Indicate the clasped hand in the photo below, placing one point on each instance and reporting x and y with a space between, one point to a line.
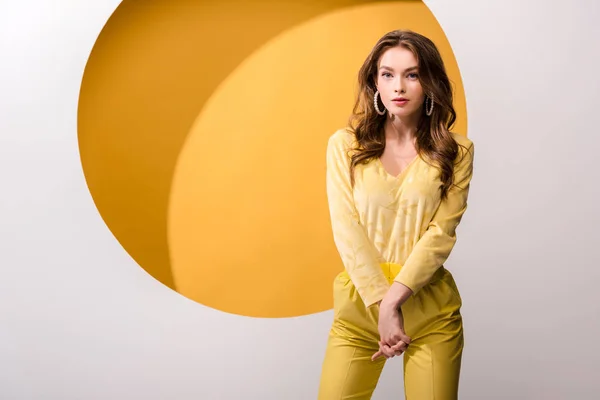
393 340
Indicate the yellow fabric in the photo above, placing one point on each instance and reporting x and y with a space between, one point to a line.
432 361
391 219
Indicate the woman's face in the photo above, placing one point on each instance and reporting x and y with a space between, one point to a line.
398 82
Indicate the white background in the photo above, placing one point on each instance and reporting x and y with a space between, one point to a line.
80 320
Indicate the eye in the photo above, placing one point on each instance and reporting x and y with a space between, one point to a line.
413 75
386 74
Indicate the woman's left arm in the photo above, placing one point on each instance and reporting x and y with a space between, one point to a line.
434 247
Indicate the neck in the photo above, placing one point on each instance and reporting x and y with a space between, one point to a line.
400 129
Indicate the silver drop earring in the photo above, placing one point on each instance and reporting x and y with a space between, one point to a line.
376 105
428 105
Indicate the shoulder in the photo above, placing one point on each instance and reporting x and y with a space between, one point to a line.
342 136
462 140
464 159
465 147
341 140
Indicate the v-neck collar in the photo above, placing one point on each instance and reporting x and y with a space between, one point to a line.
402 173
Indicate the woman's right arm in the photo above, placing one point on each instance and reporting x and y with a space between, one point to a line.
358 254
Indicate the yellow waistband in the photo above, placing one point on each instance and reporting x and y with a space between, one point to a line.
391 270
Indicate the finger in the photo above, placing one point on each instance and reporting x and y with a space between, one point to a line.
396 338
400 346
377 355
392 339
406 339
387 350
399 336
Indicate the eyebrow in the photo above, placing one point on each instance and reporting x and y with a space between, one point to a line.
391 69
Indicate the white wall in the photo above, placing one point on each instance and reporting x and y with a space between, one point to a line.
80 320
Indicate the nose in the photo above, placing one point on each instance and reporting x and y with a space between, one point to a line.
399 85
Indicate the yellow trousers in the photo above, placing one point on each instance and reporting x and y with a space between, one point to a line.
432 361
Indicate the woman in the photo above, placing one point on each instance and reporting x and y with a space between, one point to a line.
397 186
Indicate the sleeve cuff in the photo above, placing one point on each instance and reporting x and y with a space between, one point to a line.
375 295
409 281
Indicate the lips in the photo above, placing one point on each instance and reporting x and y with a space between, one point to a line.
399 99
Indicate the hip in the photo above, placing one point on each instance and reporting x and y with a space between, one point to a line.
434 308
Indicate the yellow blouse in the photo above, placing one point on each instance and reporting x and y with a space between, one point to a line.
398 220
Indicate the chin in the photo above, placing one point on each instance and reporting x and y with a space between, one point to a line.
404 113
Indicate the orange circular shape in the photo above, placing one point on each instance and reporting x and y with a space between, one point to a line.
208 163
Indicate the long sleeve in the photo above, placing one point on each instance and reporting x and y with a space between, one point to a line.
359 256
434 247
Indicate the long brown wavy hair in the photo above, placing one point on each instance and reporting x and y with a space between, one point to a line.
434 142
